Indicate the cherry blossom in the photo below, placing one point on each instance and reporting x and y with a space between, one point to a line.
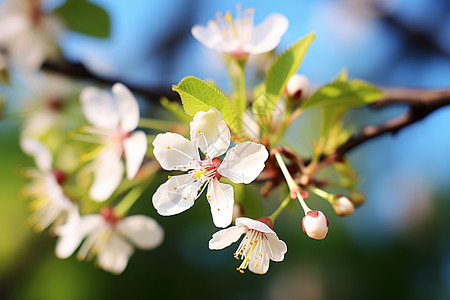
240 37
28 33
209 132
114 120
49 203
257 248
108 237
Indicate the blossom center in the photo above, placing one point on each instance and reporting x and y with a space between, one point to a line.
60 176
109 215
250 249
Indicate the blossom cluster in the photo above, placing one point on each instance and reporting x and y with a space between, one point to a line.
95 155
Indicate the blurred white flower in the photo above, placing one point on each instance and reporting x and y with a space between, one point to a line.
259 246
210 133
343 206
239 37
114 120
108 237
315 225
44 98
28 33
297 87
49 203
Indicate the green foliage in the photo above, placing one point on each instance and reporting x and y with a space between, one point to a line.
176 110
283 67
85 17
352 93
198 95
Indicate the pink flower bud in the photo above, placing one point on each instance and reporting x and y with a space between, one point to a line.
315 225
343 206
297 86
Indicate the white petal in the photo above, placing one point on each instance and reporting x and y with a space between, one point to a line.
225 237
56 193
210 133
70 235
315 225
135 148
244 162
266 36
278 247
108 175
176 195
114 256
29 50
143 231
128 107
99 108
253 224
221 199
12 25
212 37
296 83
39 151
173 150
260 264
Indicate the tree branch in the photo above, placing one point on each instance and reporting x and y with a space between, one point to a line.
421 103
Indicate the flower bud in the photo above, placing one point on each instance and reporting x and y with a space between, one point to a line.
357 198
343 206
296 87
315 225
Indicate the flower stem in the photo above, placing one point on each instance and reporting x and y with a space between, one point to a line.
241 101
293 187
154 124
323 194
127 202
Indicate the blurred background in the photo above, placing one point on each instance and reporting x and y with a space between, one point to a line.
395 246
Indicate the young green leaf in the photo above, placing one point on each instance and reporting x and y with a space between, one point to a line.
283 67
198 95
352 93
85 17
175 109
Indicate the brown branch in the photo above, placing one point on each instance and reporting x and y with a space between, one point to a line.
80 72
421 103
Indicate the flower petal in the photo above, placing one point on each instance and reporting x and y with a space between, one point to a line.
210 133
277 247
267 35
135 148
128 107
143 231
69 235
244 162
251 126
114 256
12 25
56 193
253 224
176 195
39 151
221 199
259 264
225 237
173 151
108 175
212 37
99 108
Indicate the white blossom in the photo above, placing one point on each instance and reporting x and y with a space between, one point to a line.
49 203
114 121
108 237
209 132
257 248
28 33
239 37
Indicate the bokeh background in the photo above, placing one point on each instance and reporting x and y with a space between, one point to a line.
395 246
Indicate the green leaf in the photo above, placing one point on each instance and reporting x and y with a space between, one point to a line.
85 17
283 67
198 95
352 93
